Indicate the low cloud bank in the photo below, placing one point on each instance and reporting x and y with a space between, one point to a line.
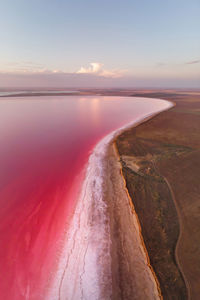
29 74
85 80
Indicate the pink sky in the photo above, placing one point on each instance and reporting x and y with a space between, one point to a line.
87 80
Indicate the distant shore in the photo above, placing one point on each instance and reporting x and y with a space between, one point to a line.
168 94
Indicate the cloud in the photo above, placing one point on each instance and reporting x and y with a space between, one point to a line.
28 67
96 68
24 69
164 64
197 61
77 81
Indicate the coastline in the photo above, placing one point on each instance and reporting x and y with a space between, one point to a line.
168 146
97 261
132 274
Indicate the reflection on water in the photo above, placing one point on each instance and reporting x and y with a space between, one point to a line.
45 144
95 110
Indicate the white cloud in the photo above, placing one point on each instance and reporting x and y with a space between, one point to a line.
28 67
96 68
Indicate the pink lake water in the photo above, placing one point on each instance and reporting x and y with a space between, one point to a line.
45 146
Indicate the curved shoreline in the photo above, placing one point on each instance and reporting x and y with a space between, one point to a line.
89 258
157 294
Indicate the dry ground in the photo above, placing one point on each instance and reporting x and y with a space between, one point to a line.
161 164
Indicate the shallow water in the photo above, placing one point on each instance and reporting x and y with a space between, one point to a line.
45 146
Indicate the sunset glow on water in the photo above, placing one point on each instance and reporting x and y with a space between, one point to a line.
45 146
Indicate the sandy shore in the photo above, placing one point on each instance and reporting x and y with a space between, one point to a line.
132 276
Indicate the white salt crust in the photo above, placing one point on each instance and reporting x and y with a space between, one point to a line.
85 264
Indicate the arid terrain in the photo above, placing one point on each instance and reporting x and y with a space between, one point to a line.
161 163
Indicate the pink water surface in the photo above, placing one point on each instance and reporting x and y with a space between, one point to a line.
45 143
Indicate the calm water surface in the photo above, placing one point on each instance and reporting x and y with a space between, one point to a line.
45 143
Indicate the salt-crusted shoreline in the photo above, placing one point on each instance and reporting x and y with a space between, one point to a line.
104 255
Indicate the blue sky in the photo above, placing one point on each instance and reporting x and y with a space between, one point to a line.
143 39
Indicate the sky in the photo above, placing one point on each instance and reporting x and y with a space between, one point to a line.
100 43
